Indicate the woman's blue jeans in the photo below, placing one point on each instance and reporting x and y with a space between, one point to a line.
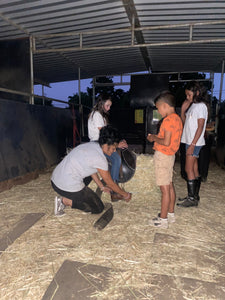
115 161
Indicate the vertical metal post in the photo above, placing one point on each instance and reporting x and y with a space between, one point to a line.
212 87
81 40
191 33
80 106
43 99
79 86
132 29
220 96
31 72
221 82
93 91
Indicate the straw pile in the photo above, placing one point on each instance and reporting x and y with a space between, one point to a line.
128 245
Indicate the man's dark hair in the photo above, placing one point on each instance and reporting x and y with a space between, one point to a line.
166 97
108 135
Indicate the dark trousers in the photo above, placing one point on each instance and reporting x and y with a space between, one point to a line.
85 200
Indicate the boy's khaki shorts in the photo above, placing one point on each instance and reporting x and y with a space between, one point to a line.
163 168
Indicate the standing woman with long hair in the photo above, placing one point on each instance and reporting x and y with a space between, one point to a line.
98 118
194 114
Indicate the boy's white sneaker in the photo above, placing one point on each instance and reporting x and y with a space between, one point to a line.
59 207
159 223
170 216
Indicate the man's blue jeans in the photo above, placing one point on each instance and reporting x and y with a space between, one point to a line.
115 160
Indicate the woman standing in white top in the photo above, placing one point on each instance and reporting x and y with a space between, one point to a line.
194 114
98 118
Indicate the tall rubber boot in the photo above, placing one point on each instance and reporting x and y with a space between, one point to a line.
198 181
198 184
190 201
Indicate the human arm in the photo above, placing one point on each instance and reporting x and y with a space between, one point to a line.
112 185
184 108
210 127
97 180
122 144
198 133
165 141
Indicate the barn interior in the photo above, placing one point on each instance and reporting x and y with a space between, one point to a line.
43 42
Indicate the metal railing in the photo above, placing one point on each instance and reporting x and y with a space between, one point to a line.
130 29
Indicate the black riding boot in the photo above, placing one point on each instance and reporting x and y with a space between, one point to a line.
190 201
198 181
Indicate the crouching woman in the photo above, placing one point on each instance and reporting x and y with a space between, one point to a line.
86 160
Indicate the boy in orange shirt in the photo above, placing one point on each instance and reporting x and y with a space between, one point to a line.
166 145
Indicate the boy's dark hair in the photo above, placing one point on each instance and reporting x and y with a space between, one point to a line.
108 135
166 97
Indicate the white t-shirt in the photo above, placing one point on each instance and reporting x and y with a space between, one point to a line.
195 112
81 162
95 121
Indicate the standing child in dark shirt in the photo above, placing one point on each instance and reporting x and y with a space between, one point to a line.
166 144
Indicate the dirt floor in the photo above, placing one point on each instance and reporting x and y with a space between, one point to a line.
185 261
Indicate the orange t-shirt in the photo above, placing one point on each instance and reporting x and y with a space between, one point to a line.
173 124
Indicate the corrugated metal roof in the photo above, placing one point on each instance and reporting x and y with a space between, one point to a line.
105 24
190 57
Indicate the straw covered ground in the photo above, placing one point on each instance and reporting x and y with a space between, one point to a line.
191 248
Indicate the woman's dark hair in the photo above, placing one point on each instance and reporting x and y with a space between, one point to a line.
108 135
99 106
199 92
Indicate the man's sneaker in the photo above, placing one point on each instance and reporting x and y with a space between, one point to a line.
59 207
159 223
170 217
